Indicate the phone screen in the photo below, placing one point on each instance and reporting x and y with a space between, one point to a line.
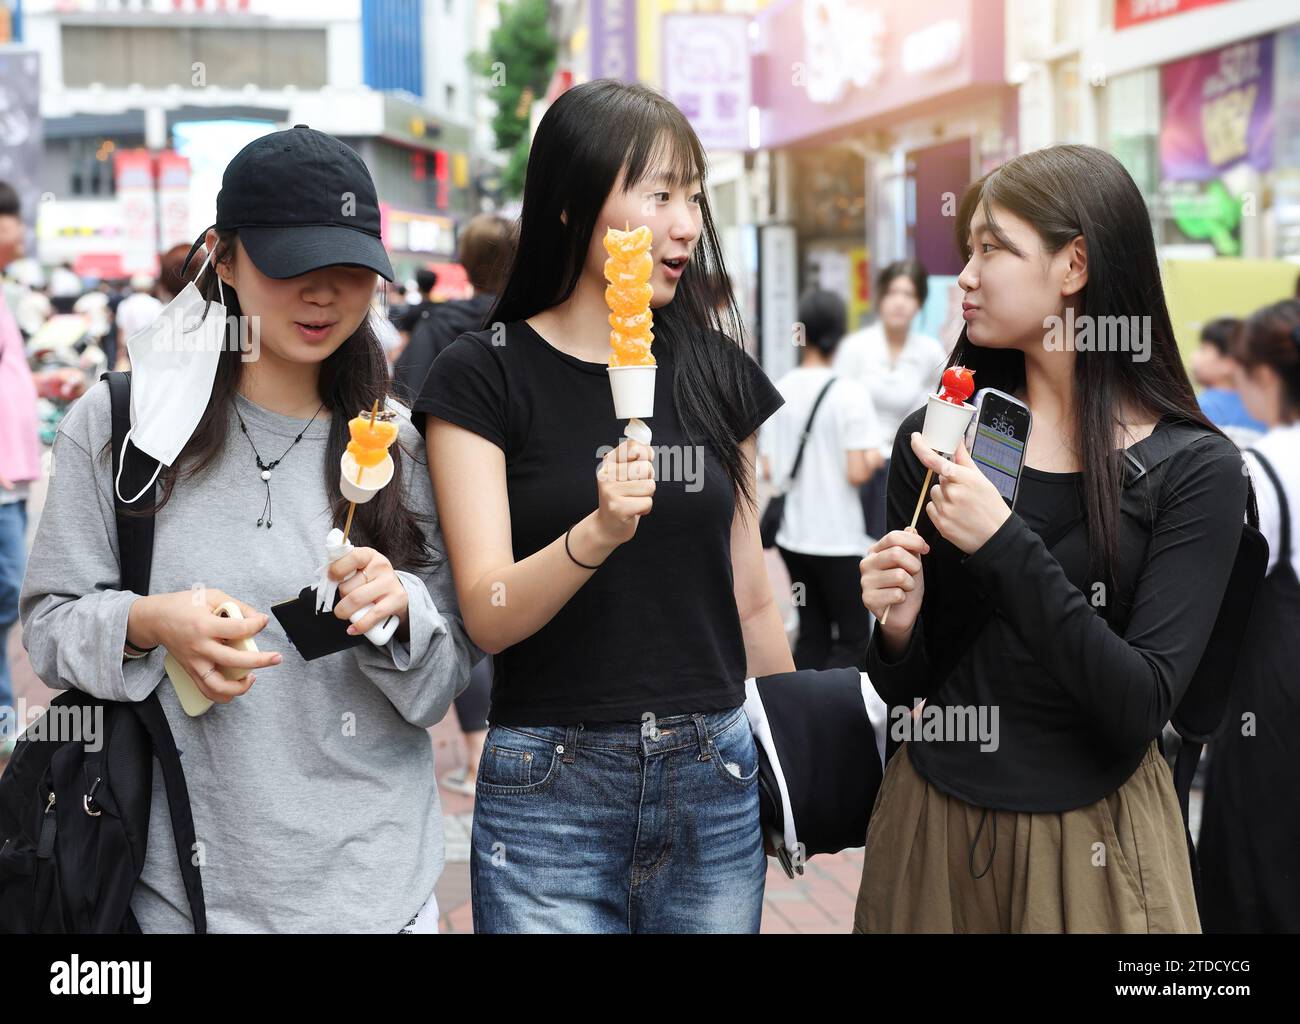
999 445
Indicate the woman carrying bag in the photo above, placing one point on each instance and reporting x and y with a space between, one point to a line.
1071 628
1249 847
311 782
822 442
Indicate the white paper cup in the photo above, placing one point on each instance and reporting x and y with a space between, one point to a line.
373 480
945 424
634 391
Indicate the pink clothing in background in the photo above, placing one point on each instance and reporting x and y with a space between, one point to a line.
20 446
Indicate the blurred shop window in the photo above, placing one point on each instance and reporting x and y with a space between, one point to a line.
1065 88
90 166
1132 113
1067 22
118 56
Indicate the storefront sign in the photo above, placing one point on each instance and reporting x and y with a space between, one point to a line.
1138 12
706 73
134 180
613 39
824 65
173 200
408 231
778 267
1218 112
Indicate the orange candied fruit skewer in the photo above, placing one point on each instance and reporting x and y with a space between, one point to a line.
371 441
628 271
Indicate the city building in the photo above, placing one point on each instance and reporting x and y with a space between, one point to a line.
144 103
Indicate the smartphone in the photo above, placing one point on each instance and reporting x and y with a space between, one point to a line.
996 440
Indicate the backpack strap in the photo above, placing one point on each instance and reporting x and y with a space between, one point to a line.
807 431
151 716
135 555
134 532
1284 551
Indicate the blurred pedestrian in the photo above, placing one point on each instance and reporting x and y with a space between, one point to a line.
486 249
382 316
137 311
1216 372
171 273
897 365
1249 846
425 281
822 537
20 459
65 287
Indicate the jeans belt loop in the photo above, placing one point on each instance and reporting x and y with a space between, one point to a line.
570 743
703 734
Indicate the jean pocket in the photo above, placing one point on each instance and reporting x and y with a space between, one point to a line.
735 754
515 762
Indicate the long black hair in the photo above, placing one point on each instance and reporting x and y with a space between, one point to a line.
1065 192
588 135
352 378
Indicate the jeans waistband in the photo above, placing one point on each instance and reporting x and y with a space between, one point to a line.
653 734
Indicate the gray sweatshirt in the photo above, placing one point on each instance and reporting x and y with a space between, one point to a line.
314 798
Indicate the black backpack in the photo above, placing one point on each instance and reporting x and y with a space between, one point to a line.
74 822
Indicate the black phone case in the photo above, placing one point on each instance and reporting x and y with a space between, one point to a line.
313 634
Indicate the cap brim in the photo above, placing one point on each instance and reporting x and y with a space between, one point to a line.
288 251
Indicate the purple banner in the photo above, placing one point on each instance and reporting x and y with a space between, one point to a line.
613 39
706 73
1218 112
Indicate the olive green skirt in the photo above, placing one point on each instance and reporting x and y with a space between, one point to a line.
936 864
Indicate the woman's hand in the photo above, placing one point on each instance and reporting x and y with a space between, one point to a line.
376 582
964 505
625 485
185 625
892 579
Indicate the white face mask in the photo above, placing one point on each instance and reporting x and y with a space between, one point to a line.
173 363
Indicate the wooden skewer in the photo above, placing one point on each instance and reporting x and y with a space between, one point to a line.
929 475
352 505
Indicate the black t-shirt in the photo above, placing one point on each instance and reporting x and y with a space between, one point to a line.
1082 680
655 628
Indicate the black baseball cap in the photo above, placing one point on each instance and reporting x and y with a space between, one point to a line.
301 200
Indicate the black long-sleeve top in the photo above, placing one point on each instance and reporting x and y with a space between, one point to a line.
1082 680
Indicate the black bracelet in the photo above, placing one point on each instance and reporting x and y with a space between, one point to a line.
570 553
140 651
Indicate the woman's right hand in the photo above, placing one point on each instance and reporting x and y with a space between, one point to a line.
625 487
892 579
185 624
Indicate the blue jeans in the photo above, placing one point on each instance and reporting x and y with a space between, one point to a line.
13 562
616 828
